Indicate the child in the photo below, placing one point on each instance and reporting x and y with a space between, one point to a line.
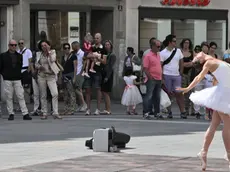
131 96
87 48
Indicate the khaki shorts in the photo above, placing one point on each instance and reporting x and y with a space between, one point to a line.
79 82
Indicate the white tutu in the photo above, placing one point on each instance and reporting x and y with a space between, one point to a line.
131 96
216 98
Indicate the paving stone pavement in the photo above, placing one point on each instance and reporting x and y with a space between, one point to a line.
147 154
59 145
120 162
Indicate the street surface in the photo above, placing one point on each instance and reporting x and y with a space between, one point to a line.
59 145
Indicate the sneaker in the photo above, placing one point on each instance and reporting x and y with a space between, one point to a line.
170 116
83 108
11 117
165 111
147 116
88 113
97 112
83 74
87 75
198 115
27 117
92 71
183 115
158 116
34 113
98 63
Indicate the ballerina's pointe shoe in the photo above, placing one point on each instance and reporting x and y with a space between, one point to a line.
203 158
227 158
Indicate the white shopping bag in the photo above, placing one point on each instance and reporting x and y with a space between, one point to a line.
165 101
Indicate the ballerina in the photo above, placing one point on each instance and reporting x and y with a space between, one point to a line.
215 97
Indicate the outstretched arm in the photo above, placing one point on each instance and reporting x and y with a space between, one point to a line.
197 79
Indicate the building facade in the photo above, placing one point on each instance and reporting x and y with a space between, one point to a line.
125 22
197 22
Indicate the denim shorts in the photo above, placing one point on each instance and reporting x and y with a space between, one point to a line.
94 80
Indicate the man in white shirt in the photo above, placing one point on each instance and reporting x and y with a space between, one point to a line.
26 79
79 79
172 63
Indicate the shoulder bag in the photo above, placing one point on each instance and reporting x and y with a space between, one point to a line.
168 60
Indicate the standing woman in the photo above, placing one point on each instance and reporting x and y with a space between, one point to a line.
107 76
213 97
187 51
47 76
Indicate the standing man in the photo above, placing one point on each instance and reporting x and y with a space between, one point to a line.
10 66
172 62
153 71
95 78
27 56
78 78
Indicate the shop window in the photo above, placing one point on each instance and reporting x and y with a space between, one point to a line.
183 29
216 31
148 29
196 30
60 27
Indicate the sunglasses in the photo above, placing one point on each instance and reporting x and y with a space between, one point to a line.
66 48
20 43
13 45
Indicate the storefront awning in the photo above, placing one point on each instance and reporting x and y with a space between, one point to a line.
183 13
9 2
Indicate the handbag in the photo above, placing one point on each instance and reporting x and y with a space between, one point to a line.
165 101
136 68
59 66
143 88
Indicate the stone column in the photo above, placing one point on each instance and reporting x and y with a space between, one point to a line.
88 21
6 32
200 31
119 42
22 22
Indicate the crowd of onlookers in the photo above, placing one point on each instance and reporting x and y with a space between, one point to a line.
81 67
161 68
166 67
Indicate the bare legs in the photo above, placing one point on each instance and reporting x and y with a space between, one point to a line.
226 133
217 117
180 101
107 102
208 138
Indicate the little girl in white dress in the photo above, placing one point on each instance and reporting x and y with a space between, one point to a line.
131 96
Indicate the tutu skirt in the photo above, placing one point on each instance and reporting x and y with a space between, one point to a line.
131 96
216 98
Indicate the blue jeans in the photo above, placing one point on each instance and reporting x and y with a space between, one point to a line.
152 96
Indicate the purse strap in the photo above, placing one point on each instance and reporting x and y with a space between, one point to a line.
168 60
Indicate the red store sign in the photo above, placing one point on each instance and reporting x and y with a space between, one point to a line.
185 2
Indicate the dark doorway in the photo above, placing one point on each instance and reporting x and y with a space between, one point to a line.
102 22
33 30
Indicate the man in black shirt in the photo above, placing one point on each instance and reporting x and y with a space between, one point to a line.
95 78
10 67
